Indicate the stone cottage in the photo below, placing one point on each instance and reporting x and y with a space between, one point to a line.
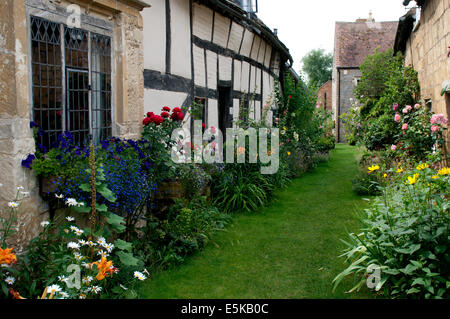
66 65
423 37
214 52
324 95
353 42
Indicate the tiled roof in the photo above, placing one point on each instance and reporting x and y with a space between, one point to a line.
354 41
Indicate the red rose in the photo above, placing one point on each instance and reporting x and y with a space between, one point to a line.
166 108
147 121
150 114
180 116
165 114
176 110
290 97
157 119
203 125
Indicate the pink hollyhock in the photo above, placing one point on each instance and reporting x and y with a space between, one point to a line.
435 128
395 107
404 126
393 147
397 117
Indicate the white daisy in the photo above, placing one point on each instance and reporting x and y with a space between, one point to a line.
86 265
91 243
70 218
10 280
87 279
77 255
102 253
64 294
95 289
82 242
139 275
45 223
108 247
73 245
62 278
13 204
79 232
71 202
53 289
59 196
101 241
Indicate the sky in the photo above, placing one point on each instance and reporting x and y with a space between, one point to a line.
304 25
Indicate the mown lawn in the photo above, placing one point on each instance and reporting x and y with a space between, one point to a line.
288 249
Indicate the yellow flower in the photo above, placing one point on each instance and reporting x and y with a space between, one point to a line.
385 175
284 128
373 168
422 166
289 153
435 177
399 170
444 171
413 179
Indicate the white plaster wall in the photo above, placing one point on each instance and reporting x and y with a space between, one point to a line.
267 56
245 76
247 43
258 81
202 21
262 51
252 79
155 100
255 48
266 87
257 110
180 38
237 75
199 66
211 68
225 66
221 30
155 36
213 113
235 37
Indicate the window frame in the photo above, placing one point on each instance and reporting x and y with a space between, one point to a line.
95 26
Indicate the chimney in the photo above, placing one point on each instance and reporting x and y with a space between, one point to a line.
275 31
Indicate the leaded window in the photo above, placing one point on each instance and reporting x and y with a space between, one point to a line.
71 78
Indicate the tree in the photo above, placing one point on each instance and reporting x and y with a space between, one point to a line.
318 67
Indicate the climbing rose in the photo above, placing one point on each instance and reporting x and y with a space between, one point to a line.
393 147
405 126
150 114
166 108
435 128
176 110
407 109
397 117
395 107
438 119
180 116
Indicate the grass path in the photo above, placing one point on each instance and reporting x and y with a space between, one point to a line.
288 249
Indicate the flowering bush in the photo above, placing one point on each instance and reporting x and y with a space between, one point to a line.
405 235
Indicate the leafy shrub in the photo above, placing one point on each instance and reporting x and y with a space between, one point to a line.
406 236
366 184
187 228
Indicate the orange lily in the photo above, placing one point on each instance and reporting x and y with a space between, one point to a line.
7 257
104 267
15 294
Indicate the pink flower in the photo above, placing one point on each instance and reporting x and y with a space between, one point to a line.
438 119
417 106
395 107
317 106
405 127
407 109
397 117
435 128
393 147
214 145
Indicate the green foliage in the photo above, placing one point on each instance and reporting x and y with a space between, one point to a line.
406 235
318 66
187 227
366 184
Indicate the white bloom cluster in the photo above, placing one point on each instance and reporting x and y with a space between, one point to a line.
139 275
73 245
73 202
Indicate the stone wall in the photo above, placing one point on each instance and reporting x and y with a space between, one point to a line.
427 50
123 20
346 85
325 96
